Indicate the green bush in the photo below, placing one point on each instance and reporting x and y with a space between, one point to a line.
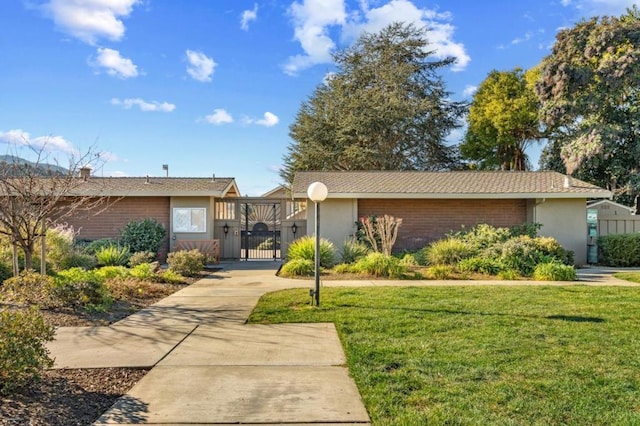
187 263
482 236
169 277
553 271
380 265
408 259
79 287
113 255
480 264
448 251
441 272
305 247
268 244
23 354
141 257
343 268
143 235
524 253
93 247
109 272
353 250
77 260
508 275
6 272
59 244
29 288
143 272
298 268
619 250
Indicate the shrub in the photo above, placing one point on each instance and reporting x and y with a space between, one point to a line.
448 251
549 246
143 235
141 257
619 250
6 272
298 268
408 260
113 255
169 277
59 244
553 271
482 236
94 246
508 275
143 272
482 265
440 272
23 354
524 253
352 251
343 268
77 260
78 287
186 262
305 247
29 288
380 265
110 272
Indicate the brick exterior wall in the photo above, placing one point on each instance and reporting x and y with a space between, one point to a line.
424 221
110 222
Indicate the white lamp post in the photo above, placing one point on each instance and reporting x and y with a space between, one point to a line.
317 192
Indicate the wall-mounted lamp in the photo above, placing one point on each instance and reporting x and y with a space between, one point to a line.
294 228
225 228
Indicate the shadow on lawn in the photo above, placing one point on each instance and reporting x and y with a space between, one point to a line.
569 318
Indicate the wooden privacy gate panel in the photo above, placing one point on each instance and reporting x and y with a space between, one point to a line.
210 248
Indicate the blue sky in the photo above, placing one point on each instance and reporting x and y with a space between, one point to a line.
211 86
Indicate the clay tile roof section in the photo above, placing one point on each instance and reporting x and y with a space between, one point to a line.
465 184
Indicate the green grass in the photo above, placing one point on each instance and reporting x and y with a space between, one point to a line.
483 355
628 276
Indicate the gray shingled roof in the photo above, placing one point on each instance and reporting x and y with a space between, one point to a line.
466 184
157 186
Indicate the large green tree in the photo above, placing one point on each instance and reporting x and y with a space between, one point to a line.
385 108
502 121
589 93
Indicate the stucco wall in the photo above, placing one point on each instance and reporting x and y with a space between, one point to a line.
566 221
337 220
424 221
192 202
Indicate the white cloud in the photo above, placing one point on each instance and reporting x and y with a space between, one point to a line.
116 173
469 90
311 20
439 35
219 116
107 157
144 105
248 16
114 64
18 137
269 120
200 66
90 20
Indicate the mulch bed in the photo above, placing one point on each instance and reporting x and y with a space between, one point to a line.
79 396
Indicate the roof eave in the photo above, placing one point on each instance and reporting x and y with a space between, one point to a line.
469 196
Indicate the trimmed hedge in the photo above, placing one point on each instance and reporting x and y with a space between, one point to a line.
619 250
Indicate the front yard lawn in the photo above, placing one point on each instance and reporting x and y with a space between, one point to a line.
483 355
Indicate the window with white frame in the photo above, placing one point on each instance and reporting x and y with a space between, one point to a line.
187 219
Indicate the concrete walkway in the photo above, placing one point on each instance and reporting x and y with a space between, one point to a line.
209 367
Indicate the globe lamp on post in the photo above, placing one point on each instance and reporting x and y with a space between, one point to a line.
317 192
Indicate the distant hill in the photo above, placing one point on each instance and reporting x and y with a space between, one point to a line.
10 164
